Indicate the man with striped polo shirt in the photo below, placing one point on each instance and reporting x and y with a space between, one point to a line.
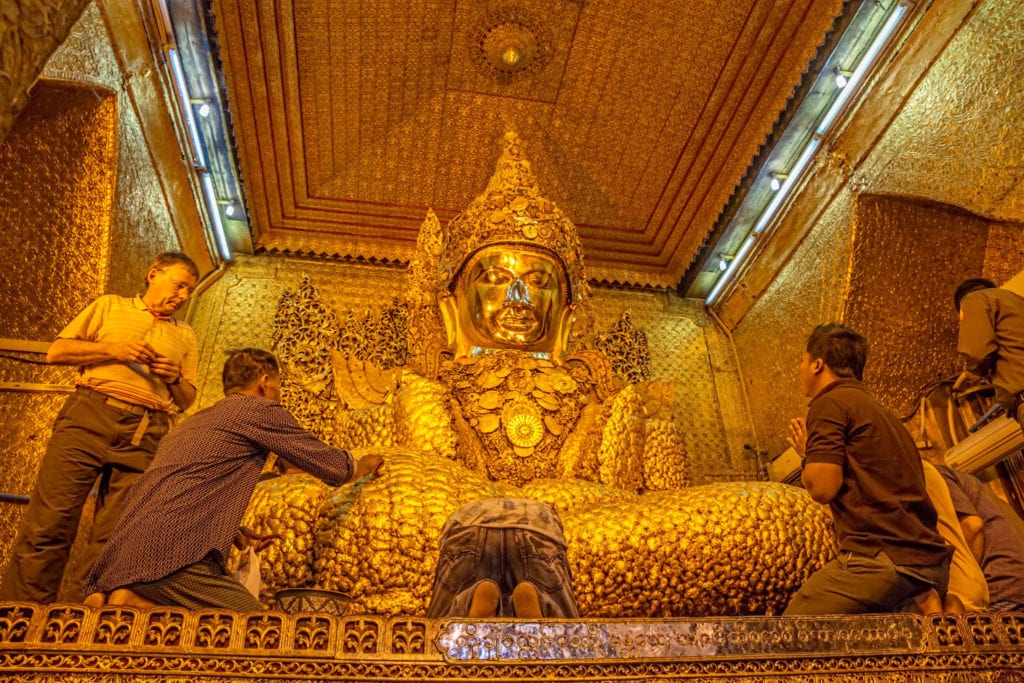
137 364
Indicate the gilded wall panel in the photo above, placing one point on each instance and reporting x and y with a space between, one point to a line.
56 192
958 138
810 290
140 224
238 310
908 258
1004 252
29 32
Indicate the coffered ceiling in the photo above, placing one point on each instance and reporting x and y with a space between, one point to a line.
352 118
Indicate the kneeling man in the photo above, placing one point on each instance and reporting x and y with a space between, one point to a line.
172 540
862 462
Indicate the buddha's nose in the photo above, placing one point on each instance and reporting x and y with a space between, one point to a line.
518 294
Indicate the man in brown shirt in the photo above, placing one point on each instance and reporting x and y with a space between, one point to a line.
991 340
862 463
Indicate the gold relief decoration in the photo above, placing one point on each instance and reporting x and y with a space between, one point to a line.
520 408
14 623
114 626
308 338
361 384
263 632
312 633
361 636
626 347
214 631
164 627
408 637
510 43
63 625
427 338
882 647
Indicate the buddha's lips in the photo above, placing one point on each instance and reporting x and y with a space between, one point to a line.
519 322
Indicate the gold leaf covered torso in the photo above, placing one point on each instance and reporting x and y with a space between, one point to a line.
519 408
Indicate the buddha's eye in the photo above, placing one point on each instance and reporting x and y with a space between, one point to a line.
496 276
538 279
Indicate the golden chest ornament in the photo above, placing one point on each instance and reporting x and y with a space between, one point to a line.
520 409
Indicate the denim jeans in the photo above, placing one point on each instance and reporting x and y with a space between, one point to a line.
507 556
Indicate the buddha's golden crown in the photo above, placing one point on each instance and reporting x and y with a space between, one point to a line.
512 211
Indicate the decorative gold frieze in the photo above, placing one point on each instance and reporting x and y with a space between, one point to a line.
304 646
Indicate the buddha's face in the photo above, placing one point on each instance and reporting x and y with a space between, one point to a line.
510 297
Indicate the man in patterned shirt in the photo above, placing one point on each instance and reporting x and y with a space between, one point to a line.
136 364
171 544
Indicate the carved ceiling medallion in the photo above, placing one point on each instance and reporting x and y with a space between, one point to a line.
510 44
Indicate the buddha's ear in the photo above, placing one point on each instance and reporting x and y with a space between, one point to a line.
565 321
450 316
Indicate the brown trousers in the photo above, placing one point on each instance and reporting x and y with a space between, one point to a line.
90 438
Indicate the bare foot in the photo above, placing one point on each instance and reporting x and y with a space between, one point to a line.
526 601
485 600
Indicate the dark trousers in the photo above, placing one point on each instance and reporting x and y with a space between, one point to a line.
90 438
200 585
508 556
854 583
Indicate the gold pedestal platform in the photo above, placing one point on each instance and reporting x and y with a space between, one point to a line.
76 643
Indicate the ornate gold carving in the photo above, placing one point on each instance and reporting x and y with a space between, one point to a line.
510 43
63 625
409 637
626 348
114 626
312 633
362 636
14 623
263 632
304 647
164 627
520 408
214 631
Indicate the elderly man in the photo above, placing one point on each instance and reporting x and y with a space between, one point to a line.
137 364
171 545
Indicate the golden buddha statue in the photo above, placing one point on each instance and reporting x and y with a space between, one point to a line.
495 393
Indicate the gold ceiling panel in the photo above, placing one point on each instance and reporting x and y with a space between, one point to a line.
351 119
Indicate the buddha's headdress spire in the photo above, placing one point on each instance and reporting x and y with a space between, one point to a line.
512 210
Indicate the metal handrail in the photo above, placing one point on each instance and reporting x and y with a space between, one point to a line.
13 498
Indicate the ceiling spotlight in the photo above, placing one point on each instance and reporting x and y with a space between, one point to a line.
204 105
230 207
842 78
777 180
511 55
